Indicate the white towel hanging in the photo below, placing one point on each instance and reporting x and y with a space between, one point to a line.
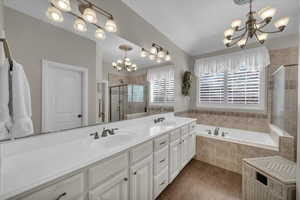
22 123
4 101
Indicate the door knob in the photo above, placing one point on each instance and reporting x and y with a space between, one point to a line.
79 115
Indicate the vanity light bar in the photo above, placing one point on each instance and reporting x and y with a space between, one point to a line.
88 15
156 52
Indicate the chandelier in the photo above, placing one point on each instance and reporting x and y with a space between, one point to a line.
253 27
125 63
157 53
88 15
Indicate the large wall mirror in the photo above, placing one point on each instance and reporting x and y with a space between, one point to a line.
73 76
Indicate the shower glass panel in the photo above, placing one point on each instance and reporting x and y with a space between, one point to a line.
126 100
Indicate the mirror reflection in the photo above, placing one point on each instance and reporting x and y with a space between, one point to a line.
74 76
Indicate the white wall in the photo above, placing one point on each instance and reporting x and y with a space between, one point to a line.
1 30
298 151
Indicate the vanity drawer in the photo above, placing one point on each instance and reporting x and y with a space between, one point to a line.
161 160
141 151
184 130
68 189
107 169
161 142
192 126
160 182
174 135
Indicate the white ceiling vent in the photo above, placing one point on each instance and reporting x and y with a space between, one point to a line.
241 2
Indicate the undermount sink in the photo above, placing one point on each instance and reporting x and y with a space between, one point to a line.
116 140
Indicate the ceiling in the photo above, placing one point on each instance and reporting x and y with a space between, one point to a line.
109 46
197 26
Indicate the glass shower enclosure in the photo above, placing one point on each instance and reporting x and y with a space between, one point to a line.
126 100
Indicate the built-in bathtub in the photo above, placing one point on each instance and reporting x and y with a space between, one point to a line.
231 146
257 139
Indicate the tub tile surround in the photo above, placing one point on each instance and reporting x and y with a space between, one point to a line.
229 154
42 161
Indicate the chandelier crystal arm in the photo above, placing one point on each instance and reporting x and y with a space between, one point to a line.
256 37
261 31
240 36
235 40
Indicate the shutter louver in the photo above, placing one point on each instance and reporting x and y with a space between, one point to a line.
211 90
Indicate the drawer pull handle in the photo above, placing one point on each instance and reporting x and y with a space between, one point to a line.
162 143
163 160
61 196
162 183
125 179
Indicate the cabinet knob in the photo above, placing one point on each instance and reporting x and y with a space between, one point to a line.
134 173
61 196
125 179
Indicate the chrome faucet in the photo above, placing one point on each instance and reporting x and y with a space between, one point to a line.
216 131
106 132
160 119
96 135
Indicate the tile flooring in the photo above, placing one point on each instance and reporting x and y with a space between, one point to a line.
201 181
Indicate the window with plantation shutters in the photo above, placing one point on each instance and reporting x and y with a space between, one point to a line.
162 85
212 89
243 89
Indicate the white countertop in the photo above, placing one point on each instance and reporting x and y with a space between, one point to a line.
38 160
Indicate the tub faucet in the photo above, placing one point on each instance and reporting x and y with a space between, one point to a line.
95 135
216 131
105 132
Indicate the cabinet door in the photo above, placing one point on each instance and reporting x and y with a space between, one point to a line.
141 180
192 146
185 150
175 159
115 188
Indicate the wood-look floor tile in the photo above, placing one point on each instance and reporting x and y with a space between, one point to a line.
201 181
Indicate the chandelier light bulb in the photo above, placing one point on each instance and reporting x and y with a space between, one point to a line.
168 57
143 53
80 25
100 34
110 26
152 57
54 14
267 13
262 37
153 50
158 60
114 64
161 54
226 41
63 5
120 61
90 15
242 42
282 23
127 59
236 24
228 33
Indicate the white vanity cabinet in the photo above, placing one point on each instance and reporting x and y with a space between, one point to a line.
175 159
109 180
141 180
115 188
161 164
69 189
141 172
